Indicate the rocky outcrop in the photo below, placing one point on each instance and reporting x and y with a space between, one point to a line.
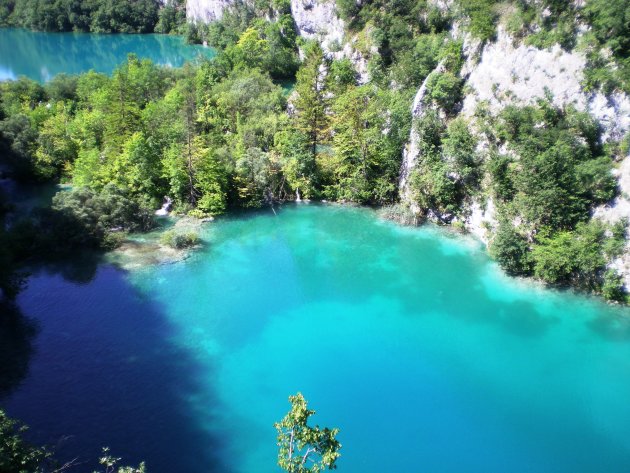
207 11
501 73
520 75
318 19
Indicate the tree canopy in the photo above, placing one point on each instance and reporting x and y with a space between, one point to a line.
303 448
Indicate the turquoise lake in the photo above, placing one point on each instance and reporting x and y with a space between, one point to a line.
41 56
410 340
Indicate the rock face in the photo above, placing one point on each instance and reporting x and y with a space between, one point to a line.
314 19
499 74
520 75
318 19
505 74
206 11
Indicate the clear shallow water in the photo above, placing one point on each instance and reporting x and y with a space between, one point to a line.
411 342
41 56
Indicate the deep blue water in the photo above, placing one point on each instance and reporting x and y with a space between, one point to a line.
410 341
40 56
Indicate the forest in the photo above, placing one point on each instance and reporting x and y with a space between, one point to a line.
224 134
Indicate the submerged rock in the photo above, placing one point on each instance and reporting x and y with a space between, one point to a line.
147 249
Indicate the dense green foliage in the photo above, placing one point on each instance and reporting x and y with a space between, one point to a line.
245 38
550 175
138 16
222 134
448 166
210 137
610 23
410 37
302 448
560 172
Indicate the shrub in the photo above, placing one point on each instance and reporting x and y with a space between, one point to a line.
444 89
612 287
179 240
482 16
17 455
511 250
571 257
85 217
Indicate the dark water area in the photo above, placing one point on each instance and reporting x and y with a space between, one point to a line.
40 56
126 382
411 341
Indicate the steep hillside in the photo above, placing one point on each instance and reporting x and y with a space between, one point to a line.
506 119
548 65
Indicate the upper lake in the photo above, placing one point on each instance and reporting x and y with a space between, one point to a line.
410 340
40 56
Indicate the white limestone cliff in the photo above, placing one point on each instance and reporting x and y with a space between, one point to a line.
506 74
502 73
206 11
318 19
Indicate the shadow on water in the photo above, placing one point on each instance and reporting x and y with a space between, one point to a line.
104 373
614 327
16 348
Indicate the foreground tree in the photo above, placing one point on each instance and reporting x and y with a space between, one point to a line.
304 448
16 455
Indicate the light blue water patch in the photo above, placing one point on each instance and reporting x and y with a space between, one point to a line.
411 341
40 56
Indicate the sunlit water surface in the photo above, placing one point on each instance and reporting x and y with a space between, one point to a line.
40 56
409 340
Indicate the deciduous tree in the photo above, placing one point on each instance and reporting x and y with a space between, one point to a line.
304 448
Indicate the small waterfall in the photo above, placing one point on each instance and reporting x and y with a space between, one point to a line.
297 195
166 207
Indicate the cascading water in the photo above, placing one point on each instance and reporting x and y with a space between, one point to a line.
166 207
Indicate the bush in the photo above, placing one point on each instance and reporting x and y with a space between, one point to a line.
511 250
612 287
17 455
179 241
559 173
572 257
84 217
482 16
444 89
